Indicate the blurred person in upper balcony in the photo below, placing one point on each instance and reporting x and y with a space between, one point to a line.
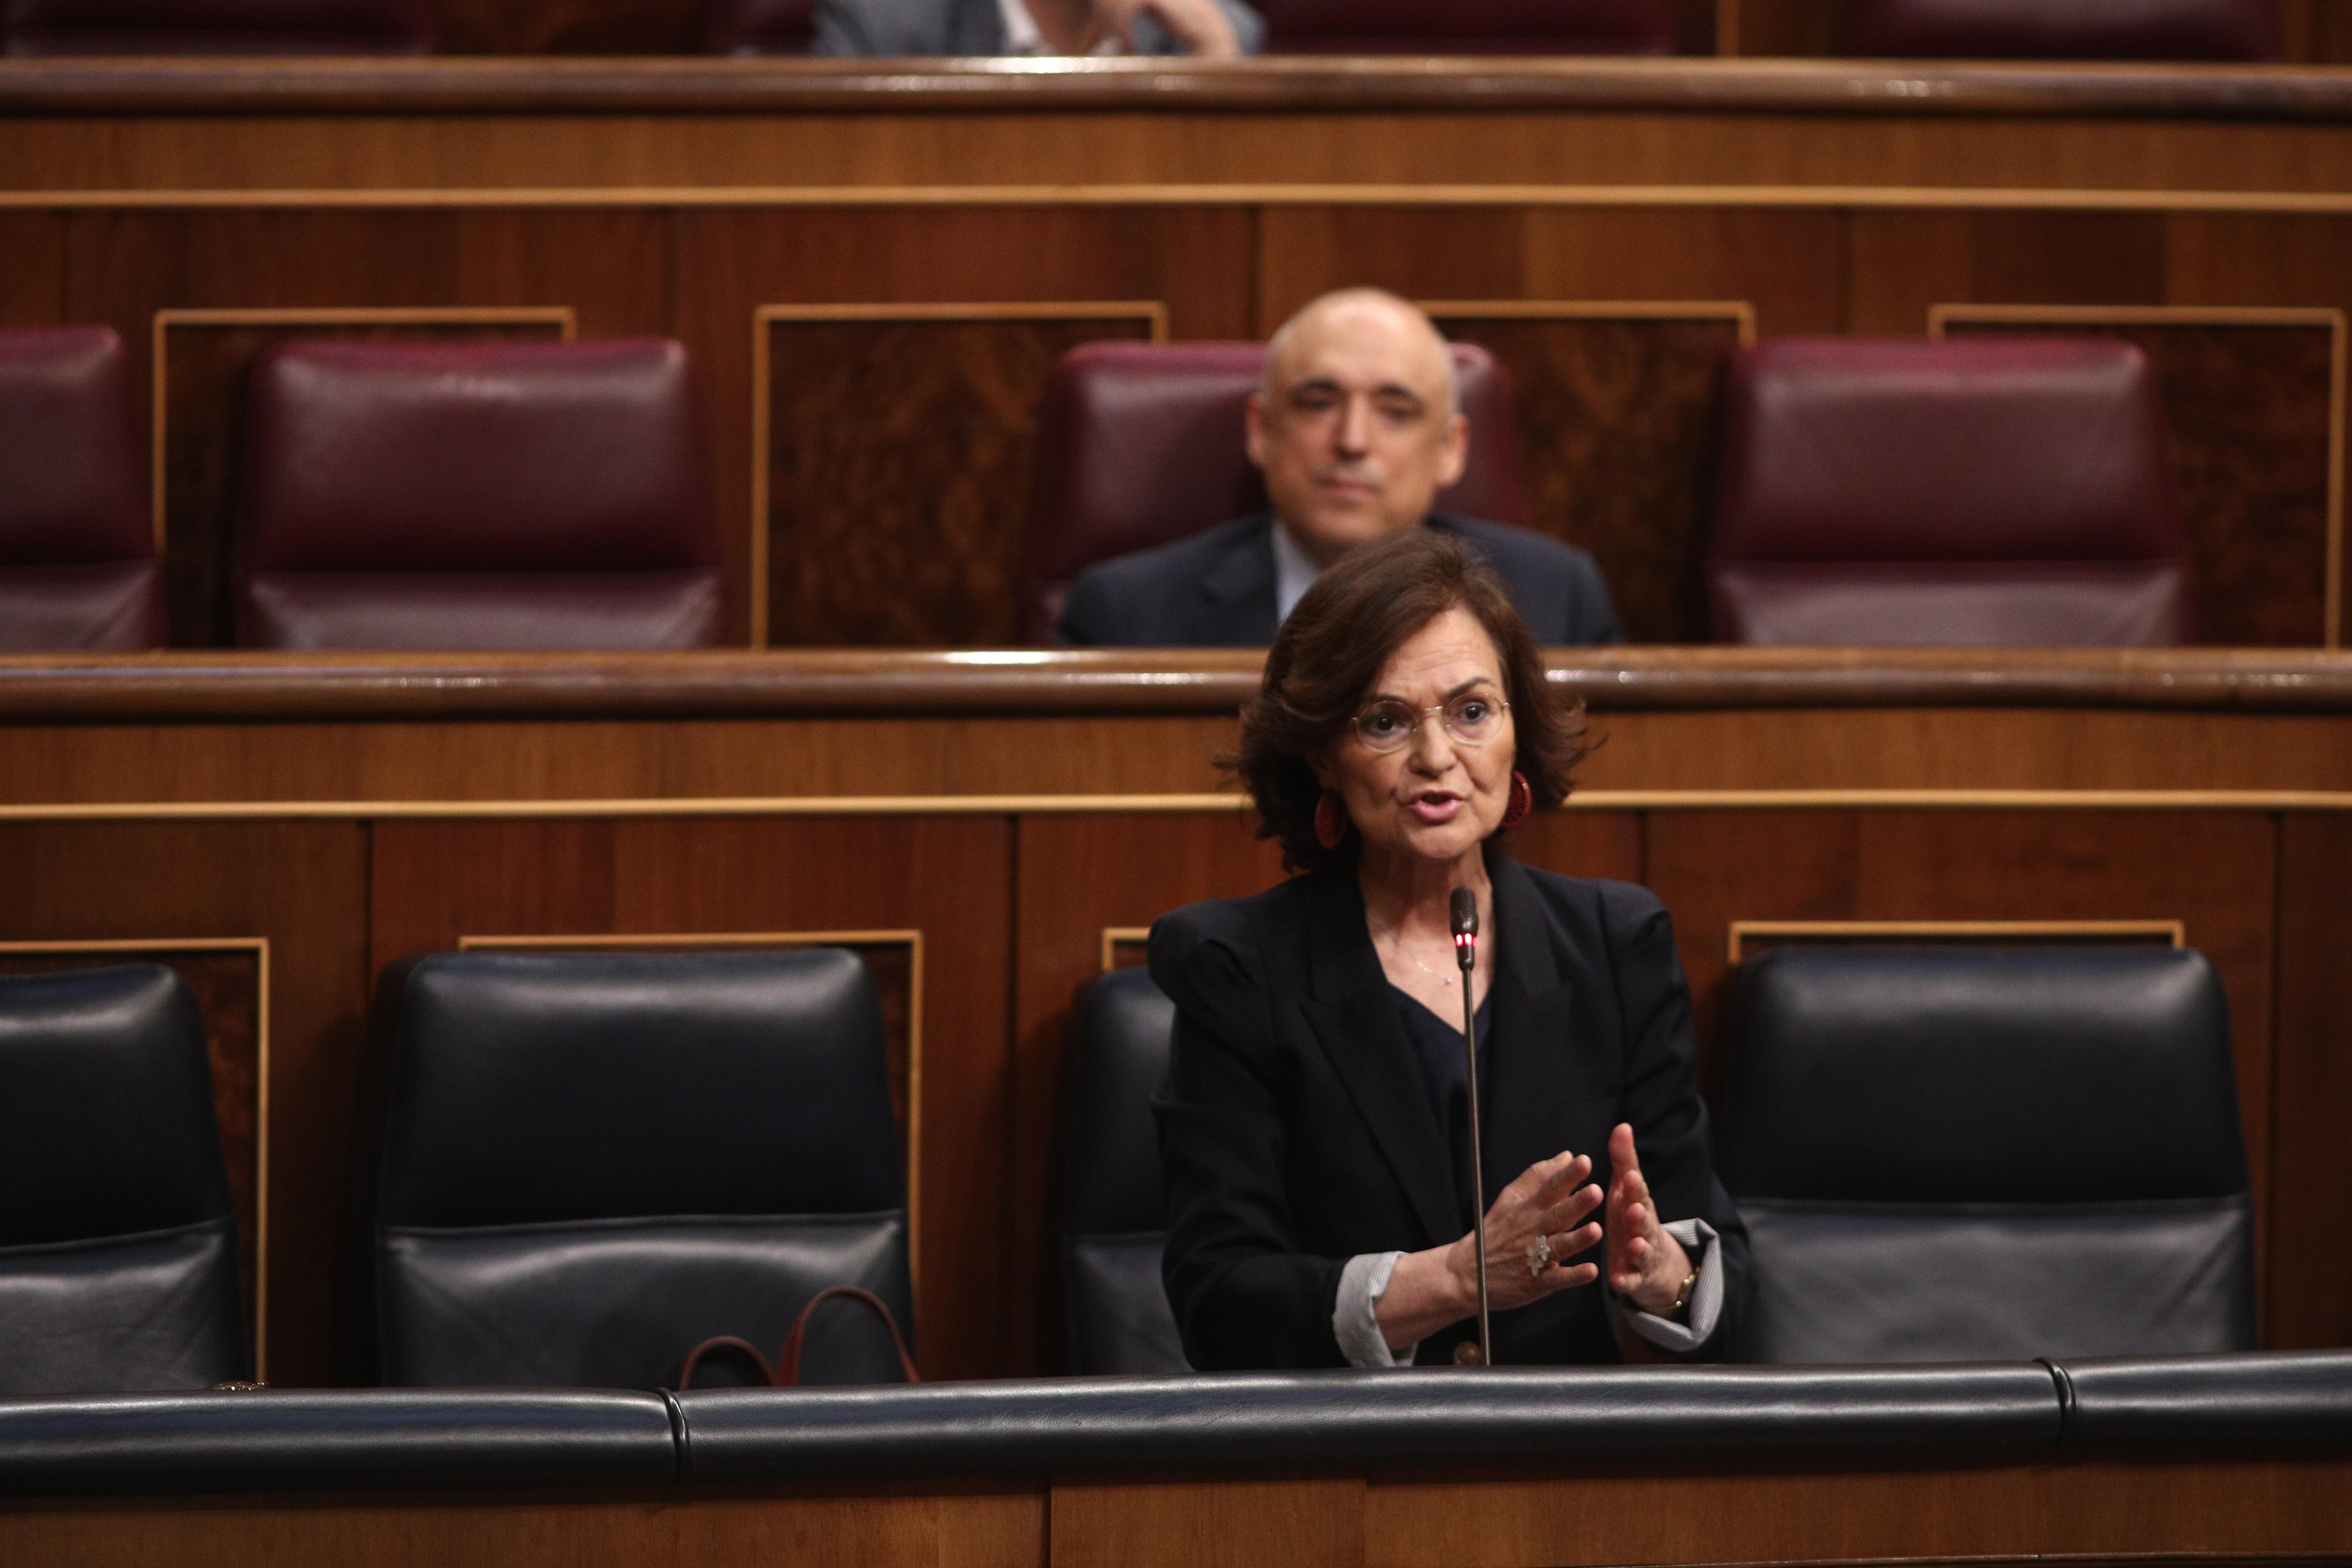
1357 426
1213 29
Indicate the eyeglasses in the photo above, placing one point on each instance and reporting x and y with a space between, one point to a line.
1474 718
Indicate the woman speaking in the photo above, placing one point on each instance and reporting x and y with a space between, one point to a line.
1315 1128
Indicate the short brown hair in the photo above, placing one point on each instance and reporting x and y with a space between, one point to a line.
1335 645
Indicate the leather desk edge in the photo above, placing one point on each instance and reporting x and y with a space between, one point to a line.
2234 1407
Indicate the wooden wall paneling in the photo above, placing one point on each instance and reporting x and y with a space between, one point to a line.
1195 261
203 895
229 977
1787 265
201 360
1750 938
436 881
1616 405
985 1524
2309 1304
894 959
570 26
2254 403
1783 28
1421 253
2135 1509
32 269
1901 262
2215 872
1308 1523
891 484
1076 876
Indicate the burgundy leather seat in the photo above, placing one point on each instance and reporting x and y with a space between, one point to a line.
1467 27
759 26
2012 490
78 564
218 26
475 495
2061 29
1142 445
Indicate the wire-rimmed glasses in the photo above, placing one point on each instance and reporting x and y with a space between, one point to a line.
1472 719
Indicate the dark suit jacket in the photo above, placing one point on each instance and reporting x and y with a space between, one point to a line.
1217 589
1296 1129
975 27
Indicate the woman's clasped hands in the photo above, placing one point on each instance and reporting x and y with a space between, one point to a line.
1536 1229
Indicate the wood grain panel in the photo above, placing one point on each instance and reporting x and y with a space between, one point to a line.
2127 1508
1616 416
230 983
2253 411
899 454
2215 873
949 878
32 275
1193 261
302 888
981 1526
1783 28
570 26
2310 1300
1317 1523
202 359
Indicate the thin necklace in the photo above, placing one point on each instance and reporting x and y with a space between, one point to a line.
1438 974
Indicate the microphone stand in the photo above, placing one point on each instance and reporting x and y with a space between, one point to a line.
1465 953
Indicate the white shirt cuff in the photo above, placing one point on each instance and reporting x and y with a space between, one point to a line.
1361 1284
1699 1240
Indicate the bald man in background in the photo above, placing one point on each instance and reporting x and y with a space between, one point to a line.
1356 427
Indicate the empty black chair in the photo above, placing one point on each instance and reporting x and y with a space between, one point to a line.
118 1237
1956 1154
592 1161
1114 1222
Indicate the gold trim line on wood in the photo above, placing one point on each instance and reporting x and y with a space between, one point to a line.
2176 932
302 316
1874 197
764 316
1114 935
2303 316
911 938
1740 312
1159 804
259 947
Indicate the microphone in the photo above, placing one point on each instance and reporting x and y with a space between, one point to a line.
1463 907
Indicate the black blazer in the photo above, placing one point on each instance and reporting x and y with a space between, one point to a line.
1295 1131
1217 589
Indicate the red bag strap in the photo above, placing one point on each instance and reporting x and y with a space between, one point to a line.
724 1342
787 1372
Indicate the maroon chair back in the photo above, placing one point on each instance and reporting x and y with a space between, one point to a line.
759 26
2061 29
1467 27
218 26
78 565
475 495
1142 445
1992 491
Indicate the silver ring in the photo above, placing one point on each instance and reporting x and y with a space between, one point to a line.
1538 1257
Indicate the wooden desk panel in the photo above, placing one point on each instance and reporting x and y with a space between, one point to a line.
1013 808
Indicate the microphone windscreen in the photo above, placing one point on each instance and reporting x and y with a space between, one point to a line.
1465 912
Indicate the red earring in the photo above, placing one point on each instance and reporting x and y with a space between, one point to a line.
1523 800
1330 820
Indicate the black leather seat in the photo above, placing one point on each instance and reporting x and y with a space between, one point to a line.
118 1236
591 1163
1114 1221
1952 1154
